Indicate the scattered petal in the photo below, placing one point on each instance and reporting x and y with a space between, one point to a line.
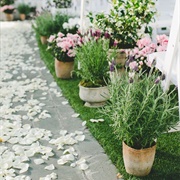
50 167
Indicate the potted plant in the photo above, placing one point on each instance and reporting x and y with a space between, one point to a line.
63 49
24 10
8 11
127 21
140 112
94 68
44 25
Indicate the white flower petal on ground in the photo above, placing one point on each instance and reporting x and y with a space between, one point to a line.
79 132
84 123
63 132
80 137
101 120
83 166
81 161
50 167
53 84
76 115
73 165
38 161
65 102
24 168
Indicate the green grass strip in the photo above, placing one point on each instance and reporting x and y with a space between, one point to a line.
167 160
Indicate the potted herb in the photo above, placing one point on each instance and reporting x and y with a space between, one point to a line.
24 10
63 49
140 112
44 26
92 57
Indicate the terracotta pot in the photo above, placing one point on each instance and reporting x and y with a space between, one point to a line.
43 39
9 17
94 97
120 55
119 60
64 69
22 17
138 162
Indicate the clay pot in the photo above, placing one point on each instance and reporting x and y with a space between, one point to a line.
138 162
22 17
44 39
9 17
64 69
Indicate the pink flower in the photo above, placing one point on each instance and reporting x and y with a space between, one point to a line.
6 7
148 63
161 39
161 48
143 42
60 34
51 38
133 65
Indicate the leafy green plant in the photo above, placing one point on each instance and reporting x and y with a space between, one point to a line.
62 3
59 20
6 2
23 8
139 109
44 24
127 21
92 56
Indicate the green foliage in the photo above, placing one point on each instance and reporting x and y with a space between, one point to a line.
92 57
140 111
44 24
62 3
59 20
6 2
127 20
23 8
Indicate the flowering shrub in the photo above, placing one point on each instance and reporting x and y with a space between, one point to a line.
63 47
7 9
62 3
6 2
127 21
72 25
137 57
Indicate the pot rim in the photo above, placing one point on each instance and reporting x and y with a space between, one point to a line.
138 150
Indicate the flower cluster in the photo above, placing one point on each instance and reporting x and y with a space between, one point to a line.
63 47
72 25
137 57
127 21
7 9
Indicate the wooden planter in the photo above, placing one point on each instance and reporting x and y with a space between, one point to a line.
94 97
138 162
64 69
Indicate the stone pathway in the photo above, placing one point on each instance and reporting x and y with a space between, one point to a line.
41 137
